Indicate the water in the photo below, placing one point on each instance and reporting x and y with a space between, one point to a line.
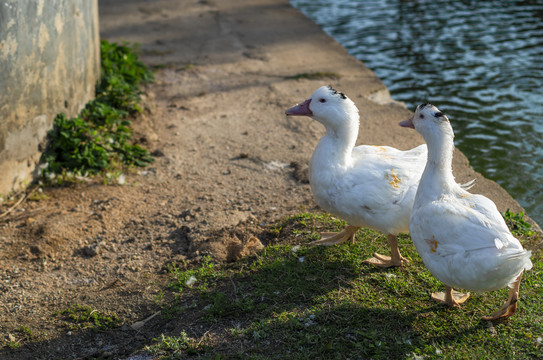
480 62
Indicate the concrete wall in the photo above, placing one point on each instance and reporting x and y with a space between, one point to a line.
49 63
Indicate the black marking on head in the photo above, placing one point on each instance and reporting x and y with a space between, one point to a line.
335 92
422 106
438 114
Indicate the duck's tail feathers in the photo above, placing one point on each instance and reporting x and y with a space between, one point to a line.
520 260
528 263
468 185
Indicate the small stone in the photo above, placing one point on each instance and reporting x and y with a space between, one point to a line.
36 250
158 153
91 250
190 281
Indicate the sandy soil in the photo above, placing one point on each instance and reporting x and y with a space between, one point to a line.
228 162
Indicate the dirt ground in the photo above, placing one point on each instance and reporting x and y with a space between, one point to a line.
228 161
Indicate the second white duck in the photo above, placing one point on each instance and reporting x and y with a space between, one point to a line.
367 186
461 237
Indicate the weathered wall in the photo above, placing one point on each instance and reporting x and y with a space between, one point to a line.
49 63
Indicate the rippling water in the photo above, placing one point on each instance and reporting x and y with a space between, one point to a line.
480 62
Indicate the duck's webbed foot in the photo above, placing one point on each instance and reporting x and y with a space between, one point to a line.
331 238
450 297
510 306
385 261
394 260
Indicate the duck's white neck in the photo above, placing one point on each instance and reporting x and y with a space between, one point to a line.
338 142
438 176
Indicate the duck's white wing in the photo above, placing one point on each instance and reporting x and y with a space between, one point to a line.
417 154
399 169
471 222
486 212
465 246
381 186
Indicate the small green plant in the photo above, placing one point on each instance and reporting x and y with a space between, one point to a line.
122 73
25 331
14 344
37 196
198 277
99 138
82 316
517 224
173 347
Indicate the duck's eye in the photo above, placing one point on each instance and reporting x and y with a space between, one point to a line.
438 114
421 116
322 100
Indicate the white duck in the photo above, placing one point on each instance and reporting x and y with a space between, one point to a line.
367 186
461 237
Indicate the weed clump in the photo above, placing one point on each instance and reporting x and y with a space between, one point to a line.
99 138
517 224
82 317
172 347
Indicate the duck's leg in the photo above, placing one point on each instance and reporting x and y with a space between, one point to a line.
330 239
510 306
395 258
450 297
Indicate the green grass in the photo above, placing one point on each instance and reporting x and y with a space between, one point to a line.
302 302
84 317
198 277
172 346
517 224
22 334
99 139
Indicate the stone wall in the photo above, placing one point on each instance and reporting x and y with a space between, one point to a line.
49 63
